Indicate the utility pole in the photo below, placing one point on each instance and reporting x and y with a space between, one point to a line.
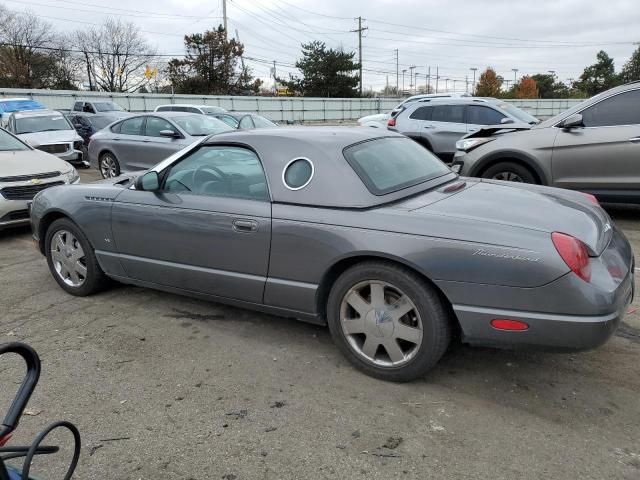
437 77
397 72
515 75
275 82
466 83
454 85
403 80
224 17
446 85
359 31
241 58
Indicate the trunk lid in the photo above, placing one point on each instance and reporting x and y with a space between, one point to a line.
531 207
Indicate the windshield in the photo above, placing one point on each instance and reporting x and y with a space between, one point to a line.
10 143
517 113
44 123
100 122
210 110
200 125
261 122
389 164
229 120
16 105
108 107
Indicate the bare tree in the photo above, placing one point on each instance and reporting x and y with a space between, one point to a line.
23 53
116 56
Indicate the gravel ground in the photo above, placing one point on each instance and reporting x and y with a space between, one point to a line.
166 387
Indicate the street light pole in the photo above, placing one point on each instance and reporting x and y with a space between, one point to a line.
446 85
403 71
473 85
411 77
515 75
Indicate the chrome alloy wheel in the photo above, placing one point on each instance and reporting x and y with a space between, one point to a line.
381 323
508 176
67 257
108 166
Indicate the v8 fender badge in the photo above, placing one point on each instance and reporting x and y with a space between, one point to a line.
507 256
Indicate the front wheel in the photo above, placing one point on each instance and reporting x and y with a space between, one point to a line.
388 321
71 259
510 172
109 166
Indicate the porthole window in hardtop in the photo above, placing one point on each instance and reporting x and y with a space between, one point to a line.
297 173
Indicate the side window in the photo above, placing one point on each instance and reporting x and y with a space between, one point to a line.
166 108
422 113
116 128
621 109
219 171
246 122
133 126
479 115
229 120
448 113
193 110
77 107
180 109
155 125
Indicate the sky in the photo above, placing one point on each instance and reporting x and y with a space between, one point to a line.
449 37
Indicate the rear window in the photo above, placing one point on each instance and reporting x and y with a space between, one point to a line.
200 125
390 164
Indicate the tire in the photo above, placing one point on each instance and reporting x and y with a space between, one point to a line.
108 165
68 251
509 171
426 321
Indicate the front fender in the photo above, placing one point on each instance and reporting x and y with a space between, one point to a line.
530 161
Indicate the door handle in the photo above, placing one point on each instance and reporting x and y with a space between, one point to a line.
245 226
635 140
429 126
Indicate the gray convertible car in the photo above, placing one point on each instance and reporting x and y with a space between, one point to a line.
360 229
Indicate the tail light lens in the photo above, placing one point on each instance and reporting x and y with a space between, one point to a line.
574 253
591 198
391 122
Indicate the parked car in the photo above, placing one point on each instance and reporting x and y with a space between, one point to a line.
49 131
10 105
99 106
439 123
379 120
201 109
244 121
25 171
86 124
592 147
360 229
141 141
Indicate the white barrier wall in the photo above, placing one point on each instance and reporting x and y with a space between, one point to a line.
279 109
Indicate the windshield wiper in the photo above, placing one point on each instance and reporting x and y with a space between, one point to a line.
50 130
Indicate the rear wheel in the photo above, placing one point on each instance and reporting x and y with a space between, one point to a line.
109 166
71 259
510 172
388 321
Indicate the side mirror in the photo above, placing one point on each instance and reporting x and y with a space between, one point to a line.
78 126
572 121
506 120
149 182
169 133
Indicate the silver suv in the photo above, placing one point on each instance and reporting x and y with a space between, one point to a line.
439 123
592 147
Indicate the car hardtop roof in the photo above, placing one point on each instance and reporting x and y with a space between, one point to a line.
13 99
334 184
344 136
42 112
196 105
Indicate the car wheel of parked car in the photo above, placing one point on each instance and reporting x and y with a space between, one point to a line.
388 321
72 260
109 166
510 172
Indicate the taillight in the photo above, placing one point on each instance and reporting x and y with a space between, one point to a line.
591 198
391 122
574 253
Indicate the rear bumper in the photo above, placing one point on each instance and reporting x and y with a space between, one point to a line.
546 331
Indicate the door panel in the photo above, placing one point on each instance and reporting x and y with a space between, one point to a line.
207 230
156 147
448 126
605 153
128 144
597 158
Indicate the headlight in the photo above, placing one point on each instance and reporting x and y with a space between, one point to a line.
72 175
456 167
469 144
